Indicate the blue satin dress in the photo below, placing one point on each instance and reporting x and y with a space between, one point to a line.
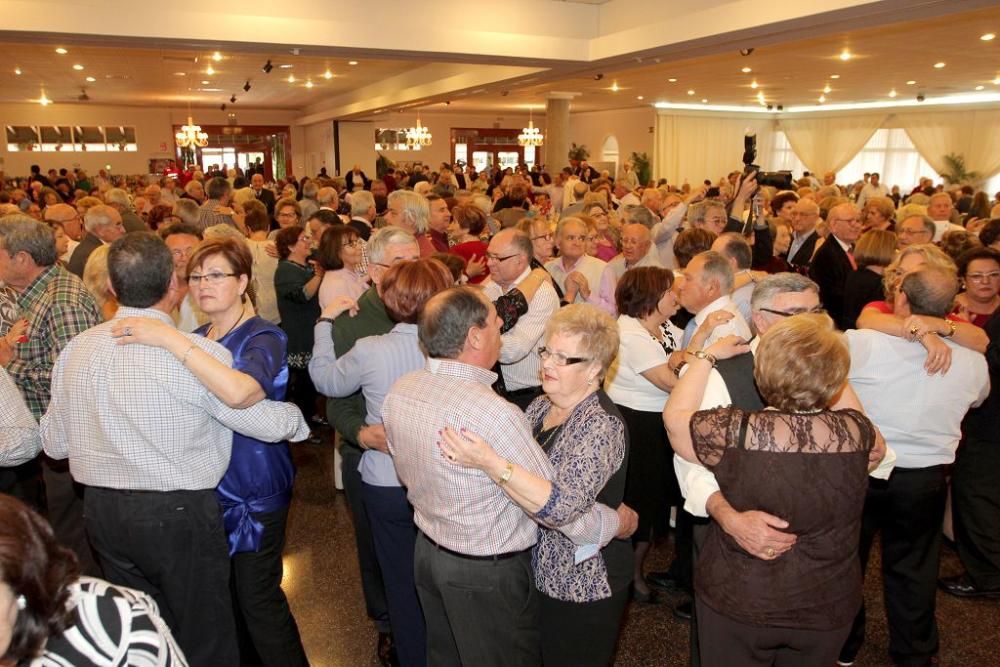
260 474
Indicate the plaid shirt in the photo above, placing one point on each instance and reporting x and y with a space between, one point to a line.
57 307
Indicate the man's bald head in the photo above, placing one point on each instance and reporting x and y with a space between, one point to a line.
68 217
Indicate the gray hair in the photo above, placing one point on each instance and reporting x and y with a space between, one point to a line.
640 215
929 224
384 238
483 203
218 188
223 231
734 246
414 208
930 290
187 211
99 216
717 267
446 319
117 197
327 195
565 221
696 213
20 233
361 202
779 283
310 189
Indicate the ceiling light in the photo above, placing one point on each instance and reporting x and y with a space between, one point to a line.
180 73
834 76
205 83
309 84
938 65
911 82
987 37
822 98
690 92
672 80
286 66
614 87
291 78
44 101
91 79
61 51
892 93
266 69
78 67
704 100
753 84
996 81
980 87
638 97
246 86
746 70
845 55
209 71
216 56
352 62
17 71
826 88
327 74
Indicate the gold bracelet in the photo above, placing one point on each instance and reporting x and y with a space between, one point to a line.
952 328
187 353
506 474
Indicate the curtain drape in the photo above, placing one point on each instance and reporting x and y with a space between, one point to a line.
829 143
693 148
975 135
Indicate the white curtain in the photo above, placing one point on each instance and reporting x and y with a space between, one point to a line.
975 135
829 143
695 147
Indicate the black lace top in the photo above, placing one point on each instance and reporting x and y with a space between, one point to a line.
809 469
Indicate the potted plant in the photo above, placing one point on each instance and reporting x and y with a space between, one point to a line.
577 154
643 170
956 171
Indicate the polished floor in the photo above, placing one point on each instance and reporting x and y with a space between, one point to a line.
322 582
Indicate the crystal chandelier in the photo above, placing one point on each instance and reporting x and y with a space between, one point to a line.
191 136
418 136
531 135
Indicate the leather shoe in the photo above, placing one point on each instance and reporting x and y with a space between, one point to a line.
962 587
665 582
683 611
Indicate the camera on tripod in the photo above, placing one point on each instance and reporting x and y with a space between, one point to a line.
782 180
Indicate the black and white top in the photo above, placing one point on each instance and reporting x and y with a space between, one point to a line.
111 626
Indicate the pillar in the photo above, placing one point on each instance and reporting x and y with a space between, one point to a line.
557 141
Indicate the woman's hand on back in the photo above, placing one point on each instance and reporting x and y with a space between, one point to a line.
146 331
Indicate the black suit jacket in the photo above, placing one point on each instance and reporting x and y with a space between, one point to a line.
830 268
78 260
266 197
804 254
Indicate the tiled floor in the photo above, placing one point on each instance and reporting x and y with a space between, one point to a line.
321 578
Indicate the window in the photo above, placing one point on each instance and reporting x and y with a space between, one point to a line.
392 139
784 158
52 139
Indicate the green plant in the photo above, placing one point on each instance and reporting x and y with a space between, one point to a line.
643 170
956 171
578 153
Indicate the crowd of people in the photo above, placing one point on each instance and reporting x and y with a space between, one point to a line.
532 377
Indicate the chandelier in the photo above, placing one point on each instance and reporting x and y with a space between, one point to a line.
531 135
418 136
191 136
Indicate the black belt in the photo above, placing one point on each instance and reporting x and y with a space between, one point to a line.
505 556
527 391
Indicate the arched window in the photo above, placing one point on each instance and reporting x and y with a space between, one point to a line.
609 154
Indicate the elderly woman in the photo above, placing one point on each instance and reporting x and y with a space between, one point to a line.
804 462
879 213
287 213
608 235
49 615
469 225
340 254
873 252
979 270
584 435
372 366
256 490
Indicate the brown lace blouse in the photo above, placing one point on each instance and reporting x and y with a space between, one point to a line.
809 469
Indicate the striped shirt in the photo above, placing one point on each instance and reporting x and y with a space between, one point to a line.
462 509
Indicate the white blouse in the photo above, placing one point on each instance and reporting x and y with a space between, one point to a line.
638 351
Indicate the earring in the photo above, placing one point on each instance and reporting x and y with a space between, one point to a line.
22 602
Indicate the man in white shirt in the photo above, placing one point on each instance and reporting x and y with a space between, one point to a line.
576 272
508 257
939 209
872 189
708 287
921 419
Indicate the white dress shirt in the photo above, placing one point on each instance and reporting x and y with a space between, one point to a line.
590 267
735 327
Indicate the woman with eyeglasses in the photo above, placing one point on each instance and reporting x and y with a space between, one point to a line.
583 591
340 254
256 490
608 236
979 270
287 213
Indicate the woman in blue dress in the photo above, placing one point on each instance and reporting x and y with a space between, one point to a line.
256 490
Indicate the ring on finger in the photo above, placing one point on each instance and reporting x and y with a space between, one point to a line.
769 552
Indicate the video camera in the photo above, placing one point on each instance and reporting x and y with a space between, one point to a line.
782 180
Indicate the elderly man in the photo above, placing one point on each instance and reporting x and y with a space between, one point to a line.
508 258
805 215
940 208
103 225
328 199
710 214
151 444
834 260
57 307
309 204
473 566
181 239
119 200
194 191
576 272
707 288
411 212
920 416
154 195
262 194
577 191
736 250
914 230
362 213
71 222
219 193
637 250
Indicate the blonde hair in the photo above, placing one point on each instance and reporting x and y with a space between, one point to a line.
876 247
932 255
597 330
802 363
95 276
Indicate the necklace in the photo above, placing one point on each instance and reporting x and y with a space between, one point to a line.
243 312
552 433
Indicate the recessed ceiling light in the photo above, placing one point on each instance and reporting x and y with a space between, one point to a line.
205 83
286 66
690 92
216 56
938 65
746 70
61 51
180 73
352 62
753 84
17 71
209 70
78 67
614 87
892 93
987 37
327 74
638 97
834 76
291 78
822 98
911 82
980 87
845 55
827 88
672 80
996 81
309 84
704 100
44 101
91 79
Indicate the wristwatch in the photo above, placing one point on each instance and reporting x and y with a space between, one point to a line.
325 319
702 354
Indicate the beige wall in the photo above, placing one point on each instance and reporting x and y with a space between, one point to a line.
316 149
630 126
355 143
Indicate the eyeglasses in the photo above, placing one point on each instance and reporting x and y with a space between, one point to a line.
912 232
353 243
213 278
497 258
559 358
983 277
547 237
818 310
574 237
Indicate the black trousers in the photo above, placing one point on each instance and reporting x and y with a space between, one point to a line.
64 500
395 537
699 533
478 612
268 634
172 546
975 504
581 634
372 585
908 510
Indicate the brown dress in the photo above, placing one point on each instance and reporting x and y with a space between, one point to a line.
809 469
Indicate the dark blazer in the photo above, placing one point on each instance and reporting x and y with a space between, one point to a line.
804 254
830 268
266 197
78 260
133 223
861 288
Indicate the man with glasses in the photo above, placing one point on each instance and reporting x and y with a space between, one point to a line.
181 239
410 211
576 272
805 215
834 260
508 257
914 230
103 225
71 223
637 250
